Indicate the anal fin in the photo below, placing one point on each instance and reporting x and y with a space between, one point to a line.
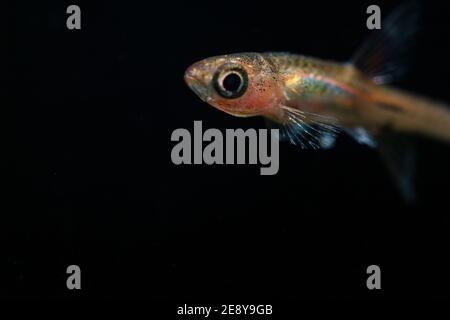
399 155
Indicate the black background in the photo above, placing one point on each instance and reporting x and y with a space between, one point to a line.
93 182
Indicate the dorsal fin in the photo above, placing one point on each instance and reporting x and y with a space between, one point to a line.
385 55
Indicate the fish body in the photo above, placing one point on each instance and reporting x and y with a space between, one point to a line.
339 92
313 100
352 99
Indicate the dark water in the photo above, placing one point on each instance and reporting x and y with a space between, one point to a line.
93 183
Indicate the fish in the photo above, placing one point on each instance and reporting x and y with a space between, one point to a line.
312 100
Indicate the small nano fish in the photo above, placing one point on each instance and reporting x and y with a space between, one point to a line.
313 100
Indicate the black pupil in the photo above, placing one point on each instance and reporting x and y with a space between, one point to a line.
231 82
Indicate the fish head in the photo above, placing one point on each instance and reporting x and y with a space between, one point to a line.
242 85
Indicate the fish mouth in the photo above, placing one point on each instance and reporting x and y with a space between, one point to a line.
197 86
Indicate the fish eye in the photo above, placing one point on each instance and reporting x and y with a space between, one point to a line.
231 82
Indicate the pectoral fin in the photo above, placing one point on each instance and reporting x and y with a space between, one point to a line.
308 130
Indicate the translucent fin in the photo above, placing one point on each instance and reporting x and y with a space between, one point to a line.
309 130
386 54
327 141
399 155
362 136
274 125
